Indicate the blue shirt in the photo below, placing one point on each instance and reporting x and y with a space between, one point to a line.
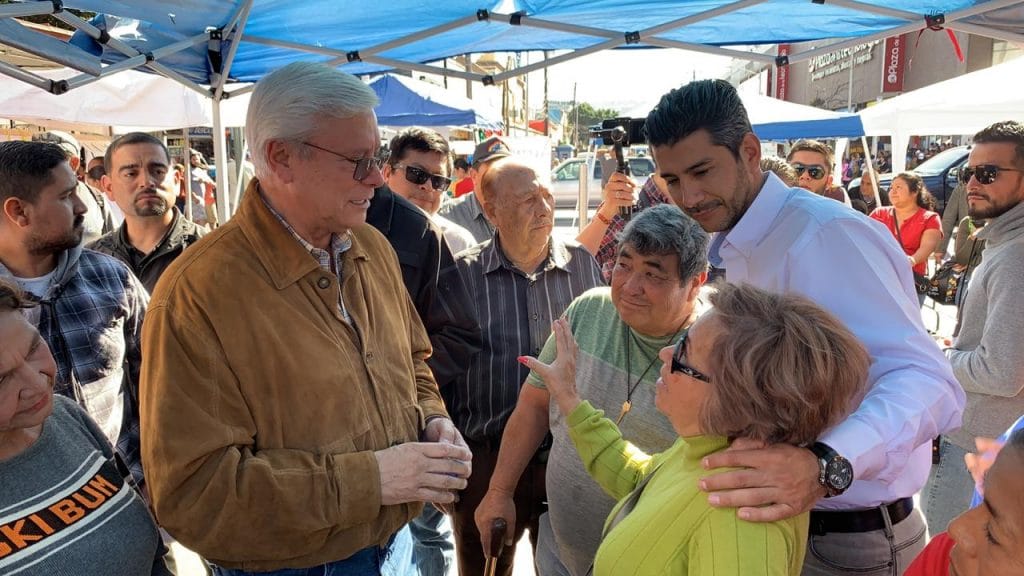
791 240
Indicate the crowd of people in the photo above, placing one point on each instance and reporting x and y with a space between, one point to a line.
357 375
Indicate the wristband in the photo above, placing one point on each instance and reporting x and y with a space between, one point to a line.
607 221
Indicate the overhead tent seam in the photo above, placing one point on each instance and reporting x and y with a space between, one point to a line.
615 38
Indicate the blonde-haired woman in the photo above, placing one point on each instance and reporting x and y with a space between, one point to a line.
764 366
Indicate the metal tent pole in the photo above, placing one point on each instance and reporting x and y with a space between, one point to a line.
221 161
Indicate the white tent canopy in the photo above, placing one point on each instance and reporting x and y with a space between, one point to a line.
131 98
961 105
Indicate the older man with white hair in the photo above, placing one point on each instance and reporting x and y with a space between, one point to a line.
291 421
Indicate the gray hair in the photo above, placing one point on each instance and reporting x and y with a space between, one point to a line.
665 229
288 102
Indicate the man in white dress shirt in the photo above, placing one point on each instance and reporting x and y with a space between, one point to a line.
786 239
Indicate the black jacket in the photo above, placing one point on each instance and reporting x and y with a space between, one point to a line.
149 267
443 302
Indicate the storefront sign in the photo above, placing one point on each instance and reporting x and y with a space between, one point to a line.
782 75
840 60
892 69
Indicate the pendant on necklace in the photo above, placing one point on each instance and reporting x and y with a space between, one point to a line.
626 406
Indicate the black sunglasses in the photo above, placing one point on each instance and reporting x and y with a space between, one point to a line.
816 171
985 173
679 362
364 166
420 176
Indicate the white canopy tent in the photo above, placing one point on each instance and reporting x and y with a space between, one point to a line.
130 99
961 105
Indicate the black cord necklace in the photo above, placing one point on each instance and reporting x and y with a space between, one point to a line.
630 388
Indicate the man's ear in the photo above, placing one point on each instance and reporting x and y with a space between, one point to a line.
387 170
487 205
105 183
695 285
750 152
17 211
281 157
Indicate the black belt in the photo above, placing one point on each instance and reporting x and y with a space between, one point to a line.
856 521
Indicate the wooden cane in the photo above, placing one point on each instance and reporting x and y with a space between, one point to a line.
498 529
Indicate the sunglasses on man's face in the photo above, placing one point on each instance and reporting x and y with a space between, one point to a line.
815 171
679 362
420 176
985 173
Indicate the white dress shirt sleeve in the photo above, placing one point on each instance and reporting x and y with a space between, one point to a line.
861 276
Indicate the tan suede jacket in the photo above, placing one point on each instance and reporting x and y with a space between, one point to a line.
261 408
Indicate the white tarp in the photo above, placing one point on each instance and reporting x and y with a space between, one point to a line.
961 105
128 98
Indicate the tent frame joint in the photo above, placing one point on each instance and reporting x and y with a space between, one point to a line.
353 56
483 15
58 87
935 21
782 61
58 6
487 80
516 18
632 37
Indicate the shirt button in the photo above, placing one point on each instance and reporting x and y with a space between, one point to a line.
369 356
324 283
534 316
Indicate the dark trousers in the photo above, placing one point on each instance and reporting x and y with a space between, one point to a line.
530 500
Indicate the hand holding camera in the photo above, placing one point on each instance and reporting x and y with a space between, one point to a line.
620 191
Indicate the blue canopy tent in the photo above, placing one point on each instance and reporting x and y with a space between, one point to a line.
409 102
208 45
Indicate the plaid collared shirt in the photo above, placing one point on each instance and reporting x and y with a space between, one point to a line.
339 245
609 248
91 318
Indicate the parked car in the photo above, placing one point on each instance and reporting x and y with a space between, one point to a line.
565 179
938 172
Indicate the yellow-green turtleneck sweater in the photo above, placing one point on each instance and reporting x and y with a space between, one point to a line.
673 529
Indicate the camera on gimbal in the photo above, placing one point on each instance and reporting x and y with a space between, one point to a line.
619 133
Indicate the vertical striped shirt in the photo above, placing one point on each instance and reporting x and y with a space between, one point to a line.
515 310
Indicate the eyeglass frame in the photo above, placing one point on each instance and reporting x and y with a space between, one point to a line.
968 172
432 178
800 168
365 164
679 362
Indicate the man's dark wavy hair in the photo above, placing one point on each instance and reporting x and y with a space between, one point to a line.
712 105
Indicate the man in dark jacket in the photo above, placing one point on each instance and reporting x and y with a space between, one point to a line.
154 233
440 299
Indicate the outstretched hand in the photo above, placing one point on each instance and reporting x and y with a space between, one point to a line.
560 375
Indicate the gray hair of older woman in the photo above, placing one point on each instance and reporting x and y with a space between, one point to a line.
782 368
665 229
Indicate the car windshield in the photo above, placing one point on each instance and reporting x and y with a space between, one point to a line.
936 164
569 171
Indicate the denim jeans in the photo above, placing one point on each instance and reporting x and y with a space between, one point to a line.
886 552
395 559
947 494
433 551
